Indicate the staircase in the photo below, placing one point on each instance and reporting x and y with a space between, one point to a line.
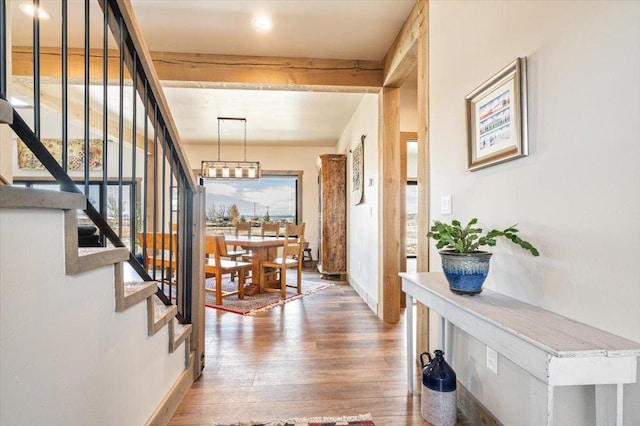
83 341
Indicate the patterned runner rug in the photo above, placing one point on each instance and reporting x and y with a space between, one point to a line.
259 302
361 420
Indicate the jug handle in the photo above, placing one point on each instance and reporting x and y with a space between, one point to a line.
422 358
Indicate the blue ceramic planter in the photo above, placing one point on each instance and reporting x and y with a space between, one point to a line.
465 272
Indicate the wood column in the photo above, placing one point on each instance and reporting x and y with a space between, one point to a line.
197 340
391 204
422 316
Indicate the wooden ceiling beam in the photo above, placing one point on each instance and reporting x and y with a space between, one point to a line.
51 64
401 59
51 99
333 75
217 71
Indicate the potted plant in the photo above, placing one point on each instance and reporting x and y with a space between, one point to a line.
464 266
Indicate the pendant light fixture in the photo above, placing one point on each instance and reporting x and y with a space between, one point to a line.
246 170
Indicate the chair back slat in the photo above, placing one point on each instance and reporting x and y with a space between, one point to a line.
243 228
270 229
162 241
215 247
293 248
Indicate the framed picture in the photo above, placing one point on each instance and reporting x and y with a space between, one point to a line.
75 154
497 118
357 163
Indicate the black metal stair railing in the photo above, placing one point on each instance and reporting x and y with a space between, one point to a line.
142 155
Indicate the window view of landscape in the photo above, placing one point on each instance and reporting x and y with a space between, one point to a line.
412 226
270 199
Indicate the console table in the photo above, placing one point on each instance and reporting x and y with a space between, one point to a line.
556 350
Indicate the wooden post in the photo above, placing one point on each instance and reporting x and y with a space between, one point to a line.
390 202
422 257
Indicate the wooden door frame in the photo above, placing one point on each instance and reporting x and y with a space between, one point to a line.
408 52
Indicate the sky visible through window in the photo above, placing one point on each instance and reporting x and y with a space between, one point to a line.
275 195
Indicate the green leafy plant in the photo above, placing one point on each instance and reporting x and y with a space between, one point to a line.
467 239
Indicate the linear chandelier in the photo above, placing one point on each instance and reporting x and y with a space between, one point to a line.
247 170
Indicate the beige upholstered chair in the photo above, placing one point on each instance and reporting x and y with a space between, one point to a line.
215 248
291 258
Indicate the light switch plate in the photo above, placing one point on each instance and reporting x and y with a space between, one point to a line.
492 360
445 204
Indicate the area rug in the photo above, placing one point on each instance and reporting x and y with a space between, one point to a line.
259 302
361 420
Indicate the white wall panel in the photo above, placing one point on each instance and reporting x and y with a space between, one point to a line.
576 197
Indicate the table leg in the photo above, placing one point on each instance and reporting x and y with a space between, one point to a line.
609 405
446 340
258 254
410 355
541 402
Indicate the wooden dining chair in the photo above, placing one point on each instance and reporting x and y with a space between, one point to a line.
215 249
266 230
270 229
159 252
291 258
237 252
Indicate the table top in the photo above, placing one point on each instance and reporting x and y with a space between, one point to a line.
554 333
255 241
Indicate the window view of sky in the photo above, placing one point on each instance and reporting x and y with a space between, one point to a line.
253 198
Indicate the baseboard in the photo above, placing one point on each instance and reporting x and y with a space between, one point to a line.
373 305
474 412
165 410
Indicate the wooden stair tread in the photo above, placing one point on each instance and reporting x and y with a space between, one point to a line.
178 333
132 293
6 112
159 314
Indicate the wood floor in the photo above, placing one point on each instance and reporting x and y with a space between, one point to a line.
326 354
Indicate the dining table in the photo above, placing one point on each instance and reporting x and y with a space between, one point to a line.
261 248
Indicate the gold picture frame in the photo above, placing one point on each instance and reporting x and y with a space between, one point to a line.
497 118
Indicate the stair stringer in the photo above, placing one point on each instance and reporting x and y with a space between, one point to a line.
89 269
78 259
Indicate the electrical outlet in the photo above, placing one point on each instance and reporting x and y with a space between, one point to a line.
492 360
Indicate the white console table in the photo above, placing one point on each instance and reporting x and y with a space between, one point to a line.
556 350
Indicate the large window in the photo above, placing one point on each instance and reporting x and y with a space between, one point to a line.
412 225
276 197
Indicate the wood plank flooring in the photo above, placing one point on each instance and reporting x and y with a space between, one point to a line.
326 354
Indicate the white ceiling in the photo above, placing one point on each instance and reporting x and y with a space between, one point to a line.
337 29
334 29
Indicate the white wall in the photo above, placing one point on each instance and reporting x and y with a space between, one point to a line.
67 357
409 123
277 158
362 219
5 132
577 195
408 107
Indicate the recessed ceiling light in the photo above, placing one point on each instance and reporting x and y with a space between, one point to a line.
262 23
30 10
